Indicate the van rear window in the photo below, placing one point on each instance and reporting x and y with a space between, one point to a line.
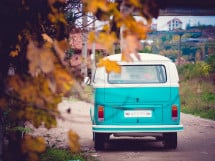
138 74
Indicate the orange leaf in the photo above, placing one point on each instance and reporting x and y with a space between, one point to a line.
107 40
110 66
73 141
136 3
91 37
94 5
63 80
46 60
14 53
31 144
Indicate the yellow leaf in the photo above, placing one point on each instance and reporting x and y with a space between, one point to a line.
40 59
33 144
91 37
47 38
63 44
73 141
60 52
19 37
135 3
110 66
63 80
14 53
15 83
106 28
57 17
52 18
107 40
46 63
33 57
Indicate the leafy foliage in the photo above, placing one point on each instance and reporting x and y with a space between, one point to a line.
32 146
34 74
198 98
119 15
197 70
211 62
56 155
35 51
110 66
52 154
73 141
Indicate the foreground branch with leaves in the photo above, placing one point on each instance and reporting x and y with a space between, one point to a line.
33 44
121 26
34 74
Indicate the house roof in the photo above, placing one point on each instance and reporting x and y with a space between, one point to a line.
173 20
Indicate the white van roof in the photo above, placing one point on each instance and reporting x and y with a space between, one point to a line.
143 57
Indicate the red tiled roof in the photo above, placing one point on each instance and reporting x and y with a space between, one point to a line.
76 42
174 19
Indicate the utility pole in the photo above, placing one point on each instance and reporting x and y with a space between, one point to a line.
93 55
84 47
179 48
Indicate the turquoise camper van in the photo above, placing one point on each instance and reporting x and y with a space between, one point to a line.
142 100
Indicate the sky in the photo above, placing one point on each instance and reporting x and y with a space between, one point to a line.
193 20
161 21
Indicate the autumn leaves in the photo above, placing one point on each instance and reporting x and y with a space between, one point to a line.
121 13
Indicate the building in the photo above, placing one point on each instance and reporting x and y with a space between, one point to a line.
174 24
154 27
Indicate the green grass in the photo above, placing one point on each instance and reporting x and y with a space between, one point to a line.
198 98
54 154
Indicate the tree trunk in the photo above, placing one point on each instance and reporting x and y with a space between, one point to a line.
1 137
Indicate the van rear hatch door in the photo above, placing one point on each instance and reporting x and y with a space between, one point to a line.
138 94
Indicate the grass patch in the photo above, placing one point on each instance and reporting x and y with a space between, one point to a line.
54 154
198 98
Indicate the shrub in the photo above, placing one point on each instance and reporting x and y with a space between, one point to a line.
54 154
211 61
198 98
197 70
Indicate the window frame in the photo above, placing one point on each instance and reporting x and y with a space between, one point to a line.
164 75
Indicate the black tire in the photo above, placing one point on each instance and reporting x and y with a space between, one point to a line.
99 141
170 140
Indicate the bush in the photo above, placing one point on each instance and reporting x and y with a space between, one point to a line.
211 61
57 155
198 98
54 154
191 71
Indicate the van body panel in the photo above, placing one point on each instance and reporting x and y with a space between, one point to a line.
136 128
138 99
131 105
137 95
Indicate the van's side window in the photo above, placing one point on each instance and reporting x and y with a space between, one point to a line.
139 74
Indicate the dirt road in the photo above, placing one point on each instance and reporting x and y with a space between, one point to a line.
195 143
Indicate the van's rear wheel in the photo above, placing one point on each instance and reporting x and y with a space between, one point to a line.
99 140
170 140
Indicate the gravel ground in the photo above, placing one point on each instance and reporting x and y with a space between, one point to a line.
77 120
195 143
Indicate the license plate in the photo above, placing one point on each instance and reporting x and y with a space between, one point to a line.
138 113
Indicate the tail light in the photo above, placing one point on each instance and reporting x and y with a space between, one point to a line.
100 113
174 112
